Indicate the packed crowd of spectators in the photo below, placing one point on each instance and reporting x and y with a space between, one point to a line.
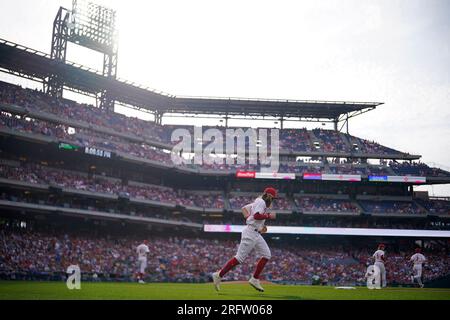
90 138
435 206
362 170
36 100
93 205
388 206
214 201
40 174
238 201
85 138
32 126
359 222
417 169
373 147
295 140
39 255
34 173
290 139
331 141
296 220
324 205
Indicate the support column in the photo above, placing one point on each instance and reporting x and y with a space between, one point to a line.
158 117
346 121
54 86
110 71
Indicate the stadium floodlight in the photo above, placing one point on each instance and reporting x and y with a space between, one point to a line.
91 26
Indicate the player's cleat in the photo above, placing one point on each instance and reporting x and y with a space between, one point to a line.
255 283
216 280
422 285
141 281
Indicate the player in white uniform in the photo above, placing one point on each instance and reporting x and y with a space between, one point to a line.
142 251
417 259
255 214
380 261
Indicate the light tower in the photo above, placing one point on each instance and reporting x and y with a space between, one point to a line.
91 26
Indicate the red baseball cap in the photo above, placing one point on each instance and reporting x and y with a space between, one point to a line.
271 191
418 250
381 245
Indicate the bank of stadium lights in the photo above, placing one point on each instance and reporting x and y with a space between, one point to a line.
91 26
93 22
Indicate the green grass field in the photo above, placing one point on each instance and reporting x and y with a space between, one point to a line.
230 291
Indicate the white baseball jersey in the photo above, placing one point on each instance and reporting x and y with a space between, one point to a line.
250 238
259 206
379 255
418 259
142 250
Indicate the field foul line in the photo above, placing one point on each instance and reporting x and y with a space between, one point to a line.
444 290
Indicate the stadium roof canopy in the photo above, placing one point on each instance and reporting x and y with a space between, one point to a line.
28 63
266 107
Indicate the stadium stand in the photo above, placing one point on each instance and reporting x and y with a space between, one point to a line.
417 169
138 184
43 175
310 204
331 141
296 140
180 259
387 206
38 174
435 206
237 201
90 138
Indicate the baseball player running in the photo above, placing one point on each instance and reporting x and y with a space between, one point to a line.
380 261
142 251
417 259
255 214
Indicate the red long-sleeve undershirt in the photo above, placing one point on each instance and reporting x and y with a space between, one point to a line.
261 216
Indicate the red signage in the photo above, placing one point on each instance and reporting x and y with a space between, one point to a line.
246 174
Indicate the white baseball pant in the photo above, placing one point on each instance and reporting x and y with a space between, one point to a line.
252 239
142 264
382 273
417 270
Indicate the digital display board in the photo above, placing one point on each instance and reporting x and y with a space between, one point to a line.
97 152
68 146
333 231
265 175
403 179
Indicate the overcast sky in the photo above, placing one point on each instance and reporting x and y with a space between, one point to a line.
396 52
